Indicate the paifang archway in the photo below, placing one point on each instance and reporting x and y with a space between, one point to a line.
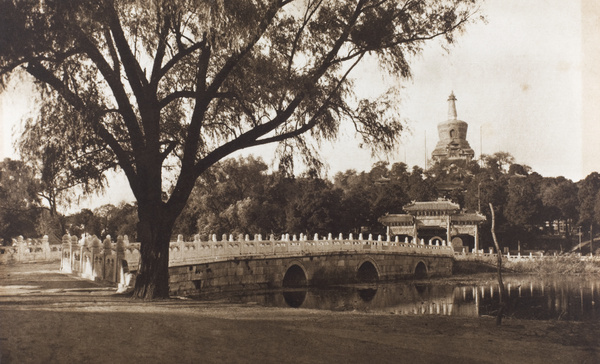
430 219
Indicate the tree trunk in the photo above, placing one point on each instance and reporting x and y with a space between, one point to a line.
502 294
154 233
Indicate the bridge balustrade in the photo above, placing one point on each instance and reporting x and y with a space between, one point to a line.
230 247
30 250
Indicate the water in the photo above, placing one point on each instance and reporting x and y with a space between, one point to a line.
530 297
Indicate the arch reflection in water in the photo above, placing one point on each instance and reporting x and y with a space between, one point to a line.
294 298
367 294
420 287
567 298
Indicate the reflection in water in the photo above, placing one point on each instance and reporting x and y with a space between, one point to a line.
367 294
420 287
571 298
295 298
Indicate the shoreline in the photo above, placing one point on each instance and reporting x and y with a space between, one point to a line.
50 317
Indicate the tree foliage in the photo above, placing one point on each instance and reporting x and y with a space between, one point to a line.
178 85
104 220
19 202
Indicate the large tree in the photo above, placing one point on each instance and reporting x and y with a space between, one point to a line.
178 85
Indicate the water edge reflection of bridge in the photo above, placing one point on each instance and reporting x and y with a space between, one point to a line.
531 297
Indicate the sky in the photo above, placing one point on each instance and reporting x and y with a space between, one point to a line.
526 82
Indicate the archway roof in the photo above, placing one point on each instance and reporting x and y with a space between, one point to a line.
439 205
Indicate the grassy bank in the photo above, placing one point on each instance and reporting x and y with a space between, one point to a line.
563 264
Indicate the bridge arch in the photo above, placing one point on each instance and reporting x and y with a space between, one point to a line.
420 270
295 275
367 271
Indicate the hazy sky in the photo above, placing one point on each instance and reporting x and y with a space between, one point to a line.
526 80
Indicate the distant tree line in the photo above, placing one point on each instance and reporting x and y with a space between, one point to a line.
532 211
26 210
241 196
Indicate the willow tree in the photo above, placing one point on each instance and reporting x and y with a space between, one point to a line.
177 85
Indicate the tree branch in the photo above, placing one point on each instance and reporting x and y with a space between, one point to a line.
43 75
159 74
114 82
183 94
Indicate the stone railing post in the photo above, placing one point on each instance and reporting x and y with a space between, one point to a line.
81 260
45 247
96 248
181 245
106 251
119 259
21 248
74 249
65 261
86 250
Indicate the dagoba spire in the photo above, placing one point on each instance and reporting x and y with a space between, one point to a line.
452 107
453 144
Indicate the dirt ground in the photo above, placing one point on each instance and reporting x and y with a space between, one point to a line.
49 317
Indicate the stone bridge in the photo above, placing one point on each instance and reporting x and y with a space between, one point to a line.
236 264
198 267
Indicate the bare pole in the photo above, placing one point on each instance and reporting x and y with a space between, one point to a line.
579 233
499 269
592 239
